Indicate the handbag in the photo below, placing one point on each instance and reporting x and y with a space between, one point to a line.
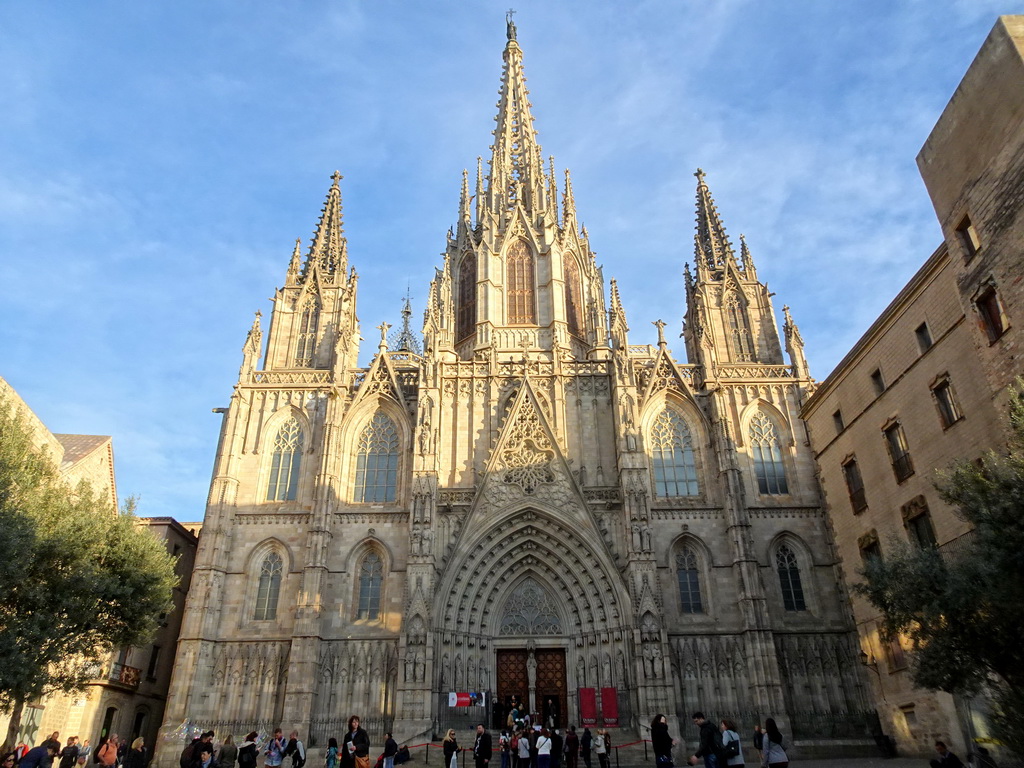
665 761
362 761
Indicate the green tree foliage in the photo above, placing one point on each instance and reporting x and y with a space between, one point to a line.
78 578
963 610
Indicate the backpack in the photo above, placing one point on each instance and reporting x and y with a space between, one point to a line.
186 754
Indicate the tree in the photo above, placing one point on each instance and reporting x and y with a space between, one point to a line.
78 577
963 611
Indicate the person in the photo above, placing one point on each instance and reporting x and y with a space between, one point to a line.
296 749
122 751
505 745
228 753
708 745
661 742
586 744
482 747
773 754
731 743
557 744
136 756
544 749
248 753
945 759
275 749
41 756
331 759
390 750
451 749
203 755
602 745
572 748
524 749
83 752
107 754
9 760
69 755
355 747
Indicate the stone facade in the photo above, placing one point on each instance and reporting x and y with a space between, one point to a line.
934 373
528 486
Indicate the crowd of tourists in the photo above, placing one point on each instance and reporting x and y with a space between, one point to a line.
112 752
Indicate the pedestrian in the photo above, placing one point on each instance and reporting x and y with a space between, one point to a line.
602 745
296 750
203 755
390 750
732 746
228 753
331 760
107 754
451 749
505 745
586 744
572 748
482 747
83 752
946 759
707 746
544 749
41 756
524 749
248 753
69 755
355 747
557 744
661 742
275 749
773 754
136 756
9 760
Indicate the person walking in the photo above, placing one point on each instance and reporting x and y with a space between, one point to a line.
707 747
572 748
331 758
69 755
945 759
505 745
135 757
228 753
106 755
451 749
248 753
390 750
296 750
544 749
773 754
482 749
661 742
586 744
602 746
524 749
83 752
355 747
732 746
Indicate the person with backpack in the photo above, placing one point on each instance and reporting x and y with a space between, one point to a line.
708 746
106 755
248 752
296 750
732 748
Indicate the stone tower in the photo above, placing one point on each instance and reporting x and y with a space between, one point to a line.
532 507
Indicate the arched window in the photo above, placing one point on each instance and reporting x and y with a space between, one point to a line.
672 457
377 461
284 466
305 343
789 579
767 453
519 281
739 329
371 576
466 322
269 587
573 296
689 580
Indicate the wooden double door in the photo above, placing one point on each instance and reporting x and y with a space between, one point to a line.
513 679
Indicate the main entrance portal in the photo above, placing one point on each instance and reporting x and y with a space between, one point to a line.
546 671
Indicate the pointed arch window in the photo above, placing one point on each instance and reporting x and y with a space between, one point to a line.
519 272
672 456
466 320
284 465
377 461
573 296
269 588
767 453
789 579
739 329
305 343
688 573
371 576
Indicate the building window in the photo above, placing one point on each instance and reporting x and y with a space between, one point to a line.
284 466
855 486
672 457
377 461
896 442
789 579
877 381
870 549
767 453
305 342
918 522
688 573
519 270
945 401
924 337
467 297
154 659
573 296
739 329
371 576
991 312
837 420
898 660
269 587
968 237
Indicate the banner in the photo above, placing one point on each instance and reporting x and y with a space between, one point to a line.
588 706
610 707
458 699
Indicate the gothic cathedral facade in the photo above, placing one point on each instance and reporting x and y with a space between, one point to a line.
529 505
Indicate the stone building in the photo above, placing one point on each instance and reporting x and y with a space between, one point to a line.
528 505
928 384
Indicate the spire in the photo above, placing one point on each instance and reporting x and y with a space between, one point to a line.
295 265
712 249
464 214
747 260
404 340
253 346
617 319
569 203
795 346
329 252
479 189
552 188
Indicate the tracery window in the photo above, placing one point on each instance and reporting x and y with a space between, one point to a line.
466 321
789 579
573 296
530 611
305 343
371 576
519 271
688 573
269 588
284 465
767 453
672 456
739 329
377 461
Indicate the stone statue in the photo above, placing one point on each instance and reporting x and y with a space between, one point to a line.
510 26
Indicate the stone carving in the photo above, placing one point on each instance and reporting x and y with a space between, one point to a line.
530 611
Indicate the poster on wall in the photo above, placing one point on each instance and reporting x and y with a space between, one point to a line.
610 707
459 699
588 706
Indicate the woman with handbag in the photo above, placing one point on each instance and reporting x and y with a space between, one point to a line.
773 755
451 750
732 747
661 742
355 748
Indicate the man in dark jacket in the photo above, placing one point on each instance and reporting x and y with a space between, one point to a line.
946 759
69 755
41 756
482 747
572 748
708 746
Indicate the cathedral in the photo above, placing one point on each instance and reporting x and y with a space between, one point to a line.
524 504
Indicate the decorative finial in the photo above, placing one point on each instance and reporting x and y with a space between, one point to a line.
384 328
660 324
336 177
510 26
700 175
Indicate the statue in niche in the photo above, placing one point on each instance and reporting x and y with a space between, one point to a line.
637 541
646 534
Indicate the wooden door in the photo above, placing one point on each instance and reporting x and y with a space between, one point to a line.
513 679
551 688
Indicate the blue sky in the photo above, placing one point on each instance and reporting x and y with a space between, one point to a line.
158 160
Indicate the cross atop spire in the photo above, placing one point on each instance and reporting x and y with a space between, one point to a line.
510 26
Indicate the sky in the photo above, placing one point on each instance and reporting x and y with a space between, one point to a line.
158 161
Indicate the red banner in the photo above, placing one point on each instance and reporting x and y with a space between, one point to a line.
610 707
588 706
458 699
